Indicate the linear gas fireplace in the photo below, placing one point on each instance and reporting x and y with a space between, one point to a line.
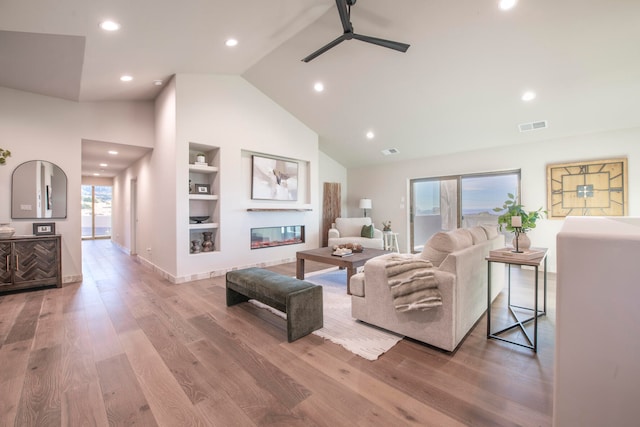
268 237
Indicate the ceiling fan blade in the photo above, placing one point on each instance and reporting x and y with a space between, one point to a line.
402 47
325 48
344 15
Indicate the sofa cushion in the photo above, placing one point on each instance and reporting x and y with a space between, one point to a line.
367 231
351 226
478 235
374 243
491 230
443 243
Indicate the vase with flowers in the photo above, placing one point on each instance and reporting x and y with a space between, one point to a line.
386 225
516 219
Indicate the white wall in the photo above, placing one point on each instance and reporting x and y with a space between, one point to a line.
97 181
138 175
597 346
35 127
388 185
226 112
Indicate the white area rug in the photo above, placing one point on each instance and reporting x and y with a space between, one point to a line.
359 338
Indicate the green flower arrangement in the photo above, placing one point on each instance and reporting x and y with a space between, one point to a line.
3 155
514 208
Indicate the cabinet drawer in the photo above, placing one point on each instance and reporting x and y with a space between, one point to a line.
5 263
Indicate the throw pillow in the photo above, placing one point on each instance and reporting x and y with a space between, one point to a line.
367 231
477 234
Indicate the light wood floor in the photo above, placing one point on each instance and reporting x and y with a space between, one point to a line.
125 347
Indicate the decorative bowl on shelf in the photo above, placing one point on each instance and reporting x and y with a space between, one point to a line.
198 219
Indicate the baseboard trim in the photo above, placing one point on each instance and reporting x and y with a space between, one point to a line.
207 274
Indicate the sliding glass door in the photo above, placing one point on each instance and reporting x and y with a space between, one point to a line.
434 207
96 211
446 203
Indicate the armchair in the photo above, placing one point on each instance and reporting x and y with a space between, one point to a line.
348 230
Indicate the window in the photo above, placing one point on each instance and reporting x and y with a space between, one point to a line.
447 203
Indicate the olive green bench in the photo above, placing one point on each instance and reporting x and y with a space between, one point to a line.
302 301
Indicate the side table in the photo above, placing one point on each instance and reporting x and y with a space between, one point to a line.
390 241
512 259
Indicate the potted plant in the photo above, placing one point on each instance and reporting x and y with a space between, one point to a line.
512 208
3 155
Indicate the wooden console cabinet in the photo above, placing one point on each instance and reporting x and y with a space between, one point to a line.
30 262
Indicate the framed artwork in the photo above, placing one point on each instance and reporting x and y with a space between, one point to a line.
201 189
44 228
274 179
590 188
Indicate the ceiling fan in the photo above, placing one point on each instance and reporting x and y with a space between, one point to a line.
344 9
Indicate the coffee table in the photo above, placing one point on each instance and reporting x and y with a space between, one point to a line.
323 255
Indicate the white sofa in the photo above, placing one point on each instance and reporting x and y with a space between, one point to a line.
348 230
460 270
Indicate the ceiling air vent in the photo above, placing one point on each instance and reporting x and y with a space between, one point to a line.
526 127
388 151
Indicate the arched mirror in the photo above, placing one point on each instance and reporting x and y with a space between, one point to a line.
38 190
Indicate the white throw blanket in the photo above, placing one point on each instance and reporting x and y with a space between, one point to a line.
412 282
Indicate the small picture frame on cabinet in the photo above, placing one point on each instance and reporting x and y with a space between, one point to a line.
202 189
44 228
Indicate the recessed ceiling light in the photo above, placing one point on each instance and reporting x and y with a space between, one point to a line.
104 165
231 42
370 135
528 95
96 174
126 78
318 87
507 4
157 82
113 152
109 25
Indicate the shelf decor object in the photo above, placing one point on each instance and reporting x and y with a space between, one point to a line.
590 188
516 224
6 230
44 228
198 219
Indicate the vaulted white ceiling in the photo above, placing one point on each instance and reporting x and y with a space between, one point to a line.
457 88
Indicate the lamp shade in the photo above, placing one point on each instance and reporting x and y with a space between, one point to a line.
365 203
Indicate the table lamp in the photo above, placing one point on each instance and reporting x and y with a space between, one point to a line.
365 204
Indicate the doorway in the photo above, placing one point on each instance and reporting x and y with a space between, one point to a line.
96 211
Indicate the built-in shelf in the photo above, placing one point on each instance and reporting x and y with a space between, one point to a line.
203 197
201 204
202 168
279 209
203 226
